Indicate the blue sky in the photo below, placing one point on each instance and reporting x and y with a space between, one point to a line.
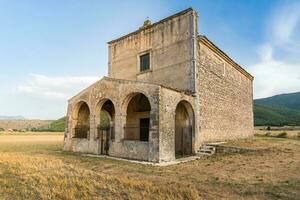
50 50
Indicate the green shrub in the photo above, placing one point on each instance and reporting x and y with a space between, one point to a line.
58 125
2 129
104 120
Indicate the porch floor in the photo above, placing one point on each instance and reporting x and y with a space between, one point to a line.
162 164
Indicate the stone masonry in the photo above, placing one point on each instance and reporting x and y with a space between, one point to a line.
169 90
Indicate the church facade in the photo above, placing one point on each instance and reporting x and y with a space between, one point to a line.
169 90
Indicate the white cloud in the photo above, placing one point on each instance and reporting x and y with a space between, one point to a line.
284 23
59 87
266 52
276 75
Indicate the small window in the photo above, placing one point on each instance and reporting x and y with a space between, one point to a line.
145 62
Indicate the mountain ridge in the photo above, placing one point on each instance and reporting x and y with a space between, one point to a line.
17 117
278 110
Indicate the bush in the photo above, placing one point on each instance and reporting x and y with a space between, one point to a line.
2 129
268 133
43 130
282 135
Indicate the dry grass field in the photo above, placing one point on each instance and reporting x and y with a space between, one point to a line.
33 167
292 134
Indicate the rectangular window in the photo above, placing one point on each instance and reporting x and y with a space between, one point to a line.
145 62
144 129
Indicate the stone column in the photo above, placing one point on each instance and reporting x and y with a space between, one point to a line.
154 130
120 121
93 128
154 138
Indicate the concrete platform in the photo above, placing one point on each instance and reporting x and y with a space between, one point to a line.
163 164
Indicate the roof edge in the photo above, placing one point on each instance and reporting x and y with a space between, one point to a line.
223 55
149 83
126 81
85 89
152 25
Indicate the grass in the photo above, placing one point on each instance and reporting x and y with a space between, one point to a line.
29 133
291 134
34 167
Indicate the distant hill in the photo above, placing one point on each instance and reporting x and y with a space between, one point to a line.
18 123
278 110
11 117
54 126
291 101
23 124
58 125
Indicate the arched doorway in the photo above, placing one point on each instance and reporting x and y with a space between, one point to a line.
82 119
184 126
137 118
105 129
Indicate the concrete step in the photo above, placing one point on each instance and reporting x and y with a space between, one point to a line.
203 154
206 150
215 143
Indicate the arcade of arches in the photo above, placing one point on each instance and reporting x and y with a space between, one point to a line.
131 123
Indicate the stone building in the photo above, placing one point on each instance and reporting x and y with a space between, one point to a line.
169 90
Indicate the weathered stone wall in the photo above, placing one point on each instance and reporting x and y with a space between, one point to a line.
168 102
225 98
120 93
215 92
170 44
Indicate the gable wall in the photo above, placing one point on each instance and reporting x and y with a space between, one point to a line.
225 96
169 43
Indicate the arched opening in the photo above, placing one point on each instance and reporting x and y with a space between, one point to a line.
106 114
82 128
184 122
106 119
138 118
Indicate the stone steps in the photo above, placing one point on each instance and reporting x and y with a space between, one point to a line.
206 150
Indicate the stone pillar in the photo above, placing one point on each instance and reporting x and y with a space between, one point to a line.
167 132
154 138
120 121
70 122
154 130
93 128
